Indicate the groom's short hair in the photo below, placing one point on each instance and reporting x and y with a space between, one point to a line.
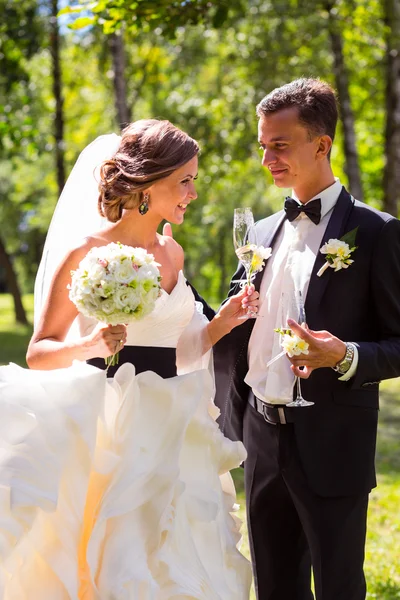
314 99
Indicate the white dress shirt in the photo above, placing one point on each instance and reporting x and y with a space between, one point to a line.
287 271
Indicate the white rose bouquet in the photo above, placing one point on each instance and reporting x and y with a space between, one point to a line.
115 284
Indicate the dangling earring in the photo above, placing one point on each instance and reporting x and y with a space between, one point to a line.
144 205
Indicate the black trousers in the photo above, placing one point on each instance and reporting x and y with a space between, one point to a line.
292 528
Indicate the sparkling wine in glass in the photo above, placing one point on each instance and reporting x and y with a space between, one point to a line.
244 240
299 310
245 255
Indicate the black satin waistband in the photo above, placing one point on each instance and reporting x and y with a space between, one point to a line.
145 358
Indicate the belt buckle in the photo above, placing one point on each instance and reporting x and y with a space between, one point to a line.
281 415
264 408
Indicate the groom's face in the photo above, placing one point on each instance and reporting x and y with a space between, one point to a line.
290 153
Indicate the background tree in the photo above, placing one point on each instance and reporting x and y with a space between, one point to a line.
117 49
352 167
391 178
20 39
57 91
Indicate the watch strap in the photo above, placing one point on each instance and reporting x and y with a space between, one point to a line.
344 365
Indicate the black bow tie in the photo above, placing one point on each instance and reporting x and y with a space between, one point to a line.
312 209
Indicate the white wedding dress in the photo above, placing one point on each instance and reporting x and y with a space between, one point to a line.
119 488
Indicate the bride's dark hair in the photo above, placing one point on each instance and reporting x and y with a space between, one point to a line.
150 150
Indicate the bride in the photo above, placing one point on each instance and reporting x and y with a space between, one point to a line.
115 485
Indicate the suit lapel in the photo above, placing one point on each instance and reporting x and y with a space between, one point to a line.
269 241
335 229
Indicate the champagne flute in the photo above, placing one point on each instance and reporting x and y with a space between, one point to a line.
244 240
297 308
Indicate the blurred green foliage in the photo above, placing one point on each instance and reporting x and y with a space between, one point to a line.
14 338
206 78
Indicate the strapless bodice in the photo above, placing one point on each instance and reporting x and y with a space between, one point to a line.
164 326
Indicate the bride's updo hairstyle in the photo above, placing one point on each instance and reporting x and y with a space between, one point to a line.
150 150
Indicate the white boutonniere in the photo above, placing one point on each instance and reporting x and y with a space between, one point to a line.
260 254
292 344
253 257
338 252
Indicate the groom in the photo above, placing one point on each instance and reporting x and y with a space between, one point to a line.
310 469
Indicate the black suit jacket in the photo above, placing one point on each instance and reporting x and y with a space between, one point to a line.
336 437
207 310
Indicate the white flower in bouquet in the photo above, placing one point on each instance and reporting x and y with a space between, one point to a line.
123 272
115 284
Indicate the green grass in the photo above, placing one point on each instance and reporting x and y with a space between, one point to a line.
383 543
14 337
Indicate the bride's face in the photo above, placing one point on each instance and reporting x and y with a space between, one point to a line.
170 197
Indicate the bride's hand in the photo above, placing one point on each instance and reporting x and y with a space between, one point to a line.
231 314
238 306
105 340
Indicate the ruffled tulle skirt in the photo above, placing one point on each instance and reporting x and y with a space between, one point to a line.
116 489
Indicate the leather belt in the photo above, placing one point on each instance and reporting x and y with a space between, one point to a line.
275 414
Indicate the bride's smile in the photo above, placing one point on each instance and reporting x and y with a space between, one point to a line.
170 197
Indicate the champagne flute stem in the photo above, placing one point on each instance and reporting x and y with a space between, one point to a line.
299 396
250 276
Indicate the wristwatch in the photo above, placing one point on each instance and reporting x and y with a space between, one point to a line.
344 365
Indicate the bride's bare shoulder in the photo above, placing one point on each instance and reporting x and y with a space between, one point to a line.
94 241
174 250
78 252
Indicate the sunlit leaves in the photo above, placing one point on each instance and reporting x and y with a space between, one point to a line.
150 14
82 22
204 66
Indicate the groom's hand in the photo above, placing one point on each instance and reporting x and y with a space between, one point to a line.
324 350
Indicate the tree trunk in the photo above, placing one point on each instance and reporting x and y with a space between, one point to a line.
57 87
391 176
120 90
352 168
12 284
